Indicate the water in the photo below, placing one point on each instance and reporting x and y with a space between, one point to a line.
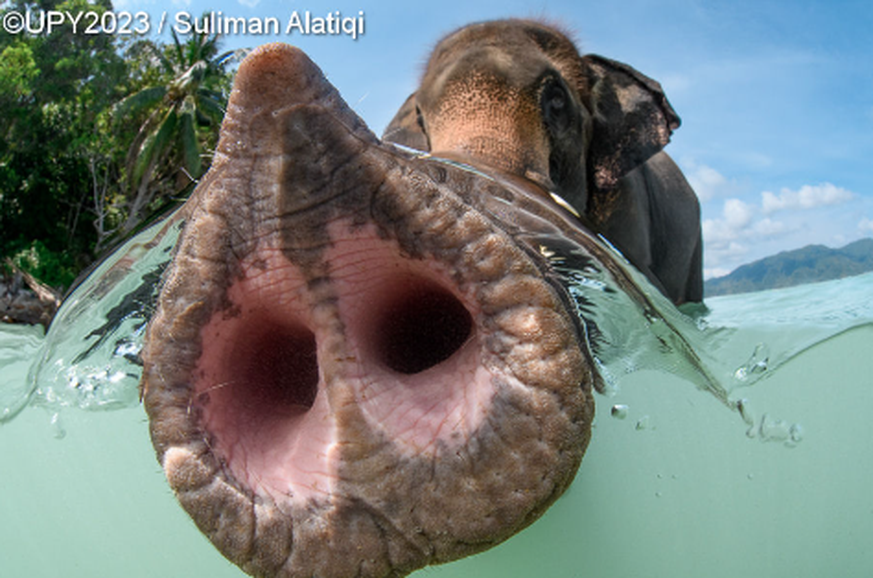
736 444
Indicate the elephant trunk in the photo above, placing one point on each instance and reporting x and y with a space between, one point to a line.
351 370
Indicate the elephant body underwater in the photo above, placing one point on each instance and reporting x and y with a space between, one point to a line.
363 360
516 95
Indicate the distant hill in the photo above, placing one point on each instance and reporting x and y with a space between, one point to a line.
807 265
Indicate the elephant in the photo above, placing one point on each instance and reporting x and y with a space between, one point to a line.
517 96
363 360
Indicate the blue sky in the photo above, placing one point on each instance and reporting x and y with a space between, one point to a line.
776 98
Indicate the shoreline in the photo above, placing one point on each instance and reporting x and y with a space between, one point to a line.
24 300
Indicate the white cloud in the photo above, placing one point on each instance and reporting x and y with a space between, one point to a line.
745 229
735 218
715 272
249 3
737 214
721 258
740 220
807 197
716 231
767 227
707 182
730 238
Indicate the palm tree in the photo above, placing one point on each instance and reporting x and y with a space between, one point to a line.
182 111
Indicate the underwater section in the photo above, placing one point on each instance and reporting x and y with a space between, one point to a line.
671 485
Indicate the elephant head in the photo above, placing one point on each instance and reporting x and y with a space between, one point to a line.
517 96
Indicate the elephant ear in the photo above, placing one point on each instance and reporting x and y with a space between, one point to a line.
632 119
405 128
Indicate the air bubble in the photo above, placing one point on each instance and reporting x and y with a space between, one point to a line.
767 428
757 364
774 429
619 411
58 430
643 423
795 435
777 430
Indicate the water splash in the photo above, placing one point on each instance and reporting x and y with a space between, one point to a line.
757 364
89 359
648 333
711 348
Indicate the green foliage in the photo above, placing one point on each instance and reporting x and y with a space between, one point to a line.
54 269
17 71
178 114
77 112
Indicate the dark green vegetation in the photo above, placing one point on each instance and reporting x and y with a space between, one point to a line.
97 134
807 265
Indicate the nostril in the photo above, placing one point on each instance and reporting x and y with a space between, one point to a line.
257 371
280 365
255 389
420 325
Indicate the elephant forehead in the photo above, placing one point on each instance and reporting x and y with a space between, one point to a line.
523 47
477 89
503 69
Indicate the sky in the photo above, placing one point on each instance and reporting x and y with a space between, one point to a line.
776 97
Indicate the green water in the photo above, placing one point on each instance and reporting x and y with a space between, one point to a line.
682 485
688 495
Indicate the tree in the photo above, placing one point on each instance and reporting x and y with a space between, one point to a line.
54 88
96 131
180 115
17 71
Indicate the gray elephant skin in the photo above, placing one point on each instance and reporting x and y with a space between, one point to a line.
516 95
364 360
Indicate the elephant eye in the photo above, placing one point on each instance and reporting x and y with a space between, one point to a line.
555 103
555 98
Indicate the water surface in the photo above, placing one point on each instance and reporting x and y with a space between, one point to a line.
677 480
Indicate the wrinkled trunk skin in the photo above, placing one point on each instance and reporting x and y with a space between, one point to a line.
359 364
